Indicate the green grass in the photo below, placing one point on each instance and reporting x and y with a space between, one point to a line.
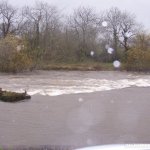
81 66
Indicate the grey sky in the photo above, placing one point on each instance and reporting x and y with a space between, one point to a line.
141 8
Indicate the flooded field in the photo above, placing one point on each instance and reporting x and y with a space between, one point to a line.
76 109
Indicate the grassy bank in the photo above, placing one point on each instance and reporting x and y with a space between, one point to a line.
83 66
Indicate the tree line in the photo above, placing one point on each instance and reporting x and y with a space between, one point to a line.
44 34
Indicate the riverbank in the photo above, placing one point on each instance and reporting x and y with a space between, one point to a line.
79 66
83 66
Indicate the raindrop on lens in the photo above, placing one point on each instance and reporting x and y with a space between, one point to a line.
110 50
112 101
107 46
127 35
80 100
46 107
92 53
89 142
121 39
104 24
116 64
13 121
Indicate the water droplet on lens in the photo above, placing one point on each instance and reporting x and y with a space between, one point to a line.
110 50
89 142
107 47
104 24
46 107
127 34
112 101
121 39
80 100
92 53
13 121
116 64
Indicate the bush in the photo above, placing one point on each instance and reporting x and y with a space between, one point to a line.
11 58
20 62
138 60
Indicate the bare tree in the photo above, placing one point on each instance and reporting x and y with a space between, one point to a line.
84 23
113 17
141 41
33 20
129 29
122 27
42 27
51 28
8 17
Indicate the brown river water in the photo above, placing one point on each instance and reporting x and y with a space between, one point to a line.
76 109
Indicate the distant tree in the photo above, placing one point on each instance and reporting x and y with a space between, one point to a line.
84 24
42 27
138 57
141 41
32 21
8 19
51 29
113 17
122 27
129 29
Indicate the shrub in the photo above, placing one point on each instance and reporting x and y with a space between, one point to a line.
138 60
11 58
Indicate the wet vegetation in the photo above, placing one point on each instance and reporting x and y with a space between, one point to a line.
83 66
7 96
41 37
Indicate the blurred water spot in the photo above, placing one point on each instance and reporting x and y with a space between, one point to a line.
112 101
110 50
127 34
89 142
116 64
80 99
129 102
92 53
13 121
121 39
104 24
107 47
82 119
46 107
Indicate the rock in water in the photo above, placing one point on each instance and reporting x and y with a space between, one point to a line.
7 96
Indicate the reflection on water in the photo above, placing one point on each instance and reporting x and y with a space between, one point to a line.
58 83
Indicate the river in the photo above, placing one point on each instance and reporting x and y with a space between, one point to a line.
74 108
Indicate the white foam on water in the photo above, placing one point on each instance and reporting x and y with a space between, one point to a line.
71 86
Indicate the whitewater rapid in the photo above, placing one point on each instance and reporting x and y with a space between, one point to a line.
59 83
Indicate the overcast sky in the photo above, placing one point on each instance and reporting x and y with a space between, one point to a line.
141 8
